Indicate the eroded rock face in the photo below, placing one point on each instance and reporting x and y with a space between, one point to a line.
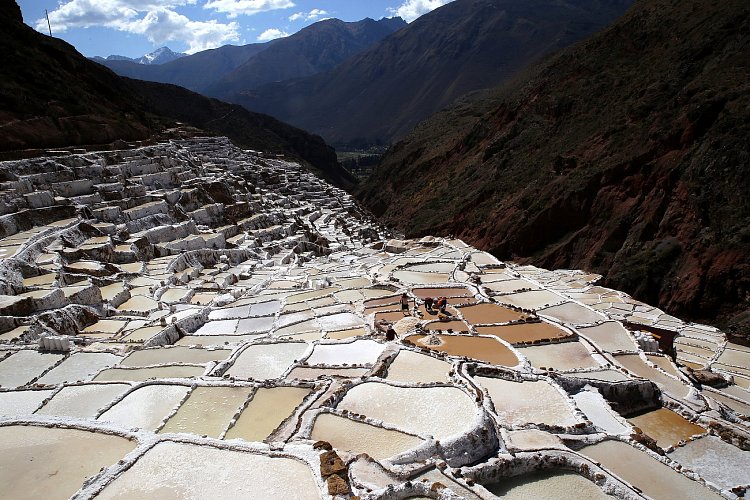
194 296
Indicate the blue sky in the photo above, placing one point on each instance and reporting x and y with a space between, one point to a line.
135 27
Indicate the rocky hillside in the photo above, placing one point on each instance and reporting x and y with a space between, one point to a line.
382 93
625 155
52 96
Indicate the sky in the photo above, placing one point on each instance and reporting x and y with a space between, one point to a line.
133 28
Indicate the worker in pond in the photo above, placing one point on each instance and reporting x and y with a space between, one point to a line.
390 334
404 303
428 303
442 303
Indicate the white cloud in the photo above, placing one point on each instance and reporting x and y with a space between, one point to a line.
271 34
234 8
154 19
309 16
412 9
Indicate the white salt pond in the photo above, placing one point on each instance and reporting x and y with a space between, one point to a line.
610 336
412 367
80 366
359 437
176 470
208 410
561 356
214 340
721 463
570 312
266 361
655 479
16 403
340 321
359 352
83 401
22 366
596 408
546 484
314 372
534 299
268 408
530 401
636 365
146 407
437 411
420 278
41 462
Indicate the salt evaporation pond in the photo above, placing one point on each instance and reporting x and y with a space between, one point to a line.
82 401
208 410
359 437
487 313
17 403
79 367
266 361
141 374
146 407
214 340
610 336
529 401
480 348
62 459
570 312
596 408
530 300
420 278
22 366
412 367
177 470
266 411
359 352
158 356
562 356
666 426
436 411
448 292
721 463
635 364
524 332
314 372
655 479
546 484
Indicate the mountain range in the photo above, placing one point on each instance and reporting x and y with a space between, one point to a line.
159 56
52 96
318 47
625 155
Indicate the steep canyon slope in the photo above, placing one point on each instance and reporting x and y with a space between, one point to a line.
625 155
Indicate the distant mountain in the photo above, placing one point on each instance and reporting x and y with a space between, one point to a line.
159 56
382 93
52 96
626 155
315 48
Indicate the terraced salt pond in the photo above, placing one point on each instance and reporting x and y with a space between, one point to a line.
178 470
229 340
54 474
359 437
655 479
268 408
437 411
529 401
480 348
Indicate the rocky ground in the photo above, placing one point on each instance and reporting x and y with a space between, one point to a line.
194 319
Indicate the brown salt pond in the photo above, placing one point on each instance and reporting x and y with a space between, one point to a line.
208 410
666 426
485 349
179 354
41 462
524 332
562 356
664 363
486 313
266 411
654 478
391 317
382 301
359 437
